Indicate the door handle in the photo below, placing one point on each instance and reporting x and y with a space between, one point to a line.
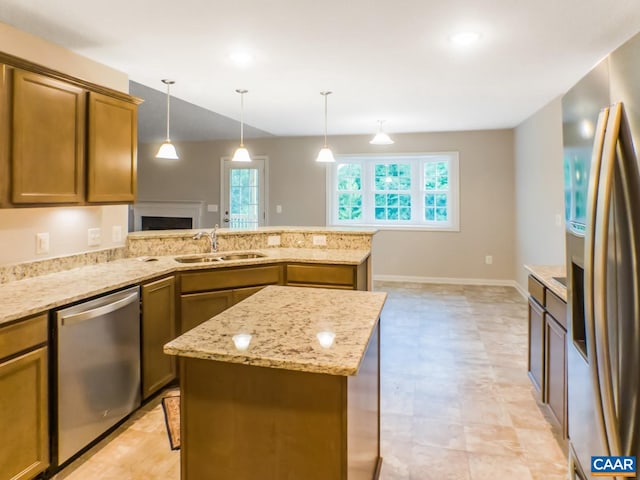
589 277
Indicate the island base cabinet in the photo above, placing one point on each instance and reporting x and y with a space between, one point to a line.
24 427
243 422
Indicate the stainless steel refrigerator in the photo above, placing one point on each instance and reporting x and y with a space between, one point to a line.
601 132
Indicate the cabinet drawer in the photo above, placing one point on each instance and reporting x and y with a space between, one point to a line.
231 278
23 335
321 274
557 308
536 290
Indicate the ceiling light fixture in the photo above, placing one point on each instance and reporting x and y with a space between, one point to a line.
465 39
167 150
381 138
242 154
325 155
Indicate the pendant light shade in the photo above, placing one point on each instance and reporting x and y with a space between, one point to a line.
242 154
381 138
325 155
167 150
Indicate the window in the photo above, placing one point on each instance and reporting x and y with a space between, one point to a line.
395 191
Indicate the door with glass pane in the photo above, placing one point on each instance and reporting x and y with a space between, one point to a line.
243 193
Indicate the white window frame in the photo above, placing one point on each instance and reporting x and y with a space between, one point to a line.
417 161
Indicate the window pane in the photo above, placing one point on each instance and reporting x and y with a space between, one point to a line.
405 200
381 213
392 200
405 213
429 214
392 213
349 176
381 200
429 200
441 200
441 214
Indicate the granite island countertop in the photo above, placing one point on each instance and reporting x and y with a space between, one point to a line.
29 296
545 274
282 325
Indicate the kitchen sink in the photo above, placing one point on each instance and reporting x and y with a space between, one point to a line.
218 257
561 280
241 256
198 259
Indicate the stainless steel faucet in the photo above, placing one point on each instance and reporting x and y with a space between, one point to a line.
213 236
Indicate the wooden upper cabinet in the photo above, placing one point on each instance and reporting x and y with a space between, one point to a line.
112 151
47 138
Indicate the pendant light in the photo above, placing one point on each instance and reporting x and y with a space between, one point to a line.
242 154
325 155
167 150
381 138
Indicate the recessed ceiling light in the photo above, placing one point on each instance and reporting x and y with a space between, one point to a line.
465 38
241 58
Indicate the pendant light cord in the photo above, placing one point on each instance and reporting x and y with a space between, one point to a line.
324 94
168 83
241 92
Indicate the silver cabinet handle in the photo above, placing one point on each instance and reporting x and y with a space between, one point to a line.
96 312
589 242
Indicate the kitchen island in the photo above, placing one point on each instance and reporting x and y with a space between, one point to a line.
283 385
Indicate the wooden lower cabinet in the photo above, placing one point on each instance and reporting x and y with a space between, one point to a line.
196 308
548 350
349 277
536 346
556 370
24 399
158 328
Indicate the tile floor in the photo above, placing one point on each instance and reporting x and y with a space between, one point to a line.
456 400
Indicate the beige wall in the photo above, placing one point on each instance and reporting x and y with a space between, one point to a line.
67 226
539 190
297 183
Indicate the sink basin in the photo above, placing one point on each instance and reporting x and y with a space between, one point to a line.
198 259
241 256
562 280
218 257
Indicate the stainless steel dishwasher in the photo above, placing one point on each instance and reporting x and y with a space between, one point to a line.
98 360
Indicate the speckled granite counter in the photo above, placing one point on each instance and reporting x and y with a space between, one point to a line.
29 296
545 274
286 327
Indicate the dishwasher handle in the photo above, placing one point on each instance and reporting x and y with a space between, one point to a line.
98 311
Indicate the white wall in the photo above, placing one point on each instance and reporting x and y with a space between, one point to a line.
67 226
539 192
298 183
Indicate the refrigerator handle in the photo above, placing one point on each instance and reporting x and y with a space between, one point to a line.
589 242
600 299
630 176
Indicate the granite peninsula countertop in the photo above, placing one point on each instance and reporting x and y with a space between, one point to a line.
545 274
22 298
284 328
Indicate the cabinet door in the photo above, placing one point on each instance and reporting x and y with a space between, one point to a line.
158 328
200 307
47 158
536 346
556 369
113 140
240 294
24 425
318 275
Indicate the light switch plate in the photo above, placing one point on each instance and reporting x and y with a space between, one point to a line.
273 240
319 240
94 237
212 207
42 242
278 208
116 233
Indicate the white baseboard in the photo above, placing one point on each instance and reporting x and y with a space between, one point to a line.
521 290
448 280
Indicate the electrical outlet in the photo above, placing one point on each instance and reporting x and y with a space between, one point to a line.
116 233
488 259
558 220
278 208
319 240
94 237
42 242
273 240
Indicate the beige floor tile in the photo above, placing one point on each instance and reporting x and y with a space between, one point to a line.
492 440
497 467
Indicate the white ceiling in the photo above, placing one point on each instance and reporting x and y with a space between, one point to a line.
383 59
